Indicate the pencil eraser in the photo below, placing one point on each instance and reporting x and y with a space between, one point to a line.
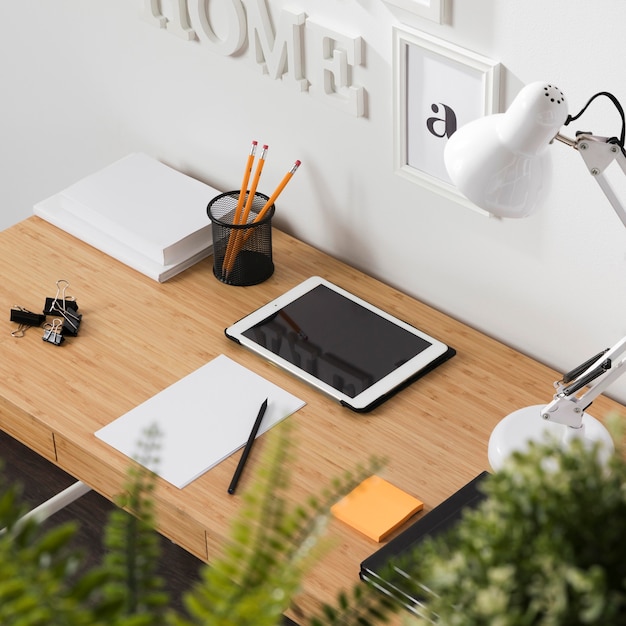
298 163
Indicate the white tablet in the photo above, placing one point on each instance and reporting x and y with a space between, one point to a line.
339 343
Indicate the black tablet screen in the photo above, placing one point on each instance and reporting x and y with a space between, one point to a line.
338 341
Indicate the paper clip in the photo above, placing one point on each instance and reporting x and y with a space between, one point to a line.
52 333
66 307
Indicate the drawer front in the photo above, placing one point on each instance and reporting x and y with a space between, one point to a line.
27 430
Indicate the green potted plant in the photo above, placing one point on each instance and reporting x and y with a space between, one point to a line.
545 547
252 583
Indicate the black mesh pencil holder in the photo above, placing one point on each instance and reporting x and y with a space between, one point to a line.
242 252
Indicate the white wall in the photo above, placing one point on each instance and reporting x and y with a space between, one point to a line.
84 83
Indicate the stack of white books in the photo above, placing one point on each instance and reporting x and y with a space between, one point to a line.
139 211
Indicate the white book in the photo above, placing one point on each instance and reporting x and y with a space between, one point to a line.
141 212
201 419
52 211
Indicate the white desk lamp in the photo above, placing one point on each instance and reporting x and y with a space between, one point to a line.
497 161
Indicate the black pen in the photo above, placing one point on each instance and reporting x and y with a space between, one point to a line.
246 450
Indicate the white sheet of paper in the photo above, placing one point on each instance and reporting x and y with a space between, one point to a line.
202 419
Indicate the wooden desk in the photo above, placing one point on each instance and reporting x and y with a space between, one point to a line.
138 336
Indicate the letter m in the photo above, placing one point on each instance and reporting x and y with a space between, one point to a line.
280 54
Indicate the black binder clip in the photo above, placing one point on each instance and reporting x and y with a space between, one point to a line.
60 302
71 322
25 319
28 318
65 307
52 333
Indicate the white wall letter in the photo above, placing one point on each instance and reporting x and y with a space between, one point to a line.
234 15
338 54
176 23
278 55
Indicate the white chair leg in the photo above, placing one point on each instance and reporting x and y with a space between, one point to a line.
56 503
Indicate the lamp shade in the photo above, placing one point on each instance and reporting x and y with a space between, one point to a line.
496 161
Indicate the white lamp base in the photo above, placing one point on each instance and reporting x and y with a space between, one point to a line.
516 430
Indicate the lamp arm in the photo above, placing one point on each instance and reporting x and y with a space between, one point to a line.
598 153
595 375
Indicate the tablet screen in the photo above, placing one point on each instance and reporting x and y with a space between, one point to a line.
341 344
336 340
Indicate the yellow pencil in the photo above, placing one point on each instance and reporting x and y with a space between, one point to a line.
234 242
242 195
266 207
277 192
255 182
244 182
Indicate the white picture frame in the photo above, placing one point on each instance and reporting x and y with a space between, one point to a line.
438 87
433 10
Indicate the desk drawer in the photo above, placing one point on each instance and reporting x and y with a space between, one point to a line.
27 430
108 476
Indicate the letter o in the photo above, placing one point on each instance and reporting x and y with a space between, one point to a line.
236 35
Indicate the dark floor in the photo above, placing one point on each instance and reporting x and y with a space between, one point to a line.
40 480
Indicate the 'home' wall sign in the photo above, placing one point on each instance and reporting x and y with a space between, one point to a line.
280 54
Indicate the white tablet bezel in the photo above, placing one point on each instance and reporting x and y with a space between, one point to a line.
373 395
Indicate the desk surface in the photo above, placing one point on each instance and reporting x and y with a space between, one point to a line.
139 336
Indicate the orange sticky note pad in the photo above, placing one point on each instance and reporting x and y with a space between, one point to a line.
376 508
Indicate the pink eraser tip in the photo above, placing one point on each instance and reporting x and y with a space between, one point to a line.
297 163
255 143
265 147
